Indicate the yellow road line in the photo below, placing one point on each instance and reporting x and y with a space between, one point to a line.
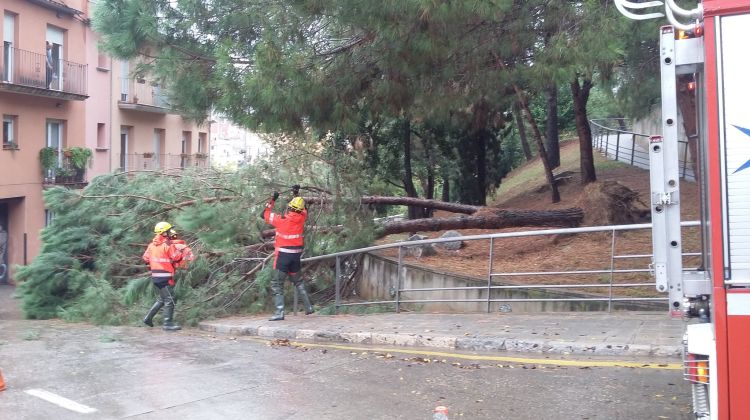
556 362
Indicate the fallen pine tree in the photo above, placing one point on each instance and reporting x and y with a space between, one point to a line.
90 267
479 217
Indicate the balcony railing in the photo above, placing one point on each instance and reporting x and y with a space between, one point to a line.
151 161
25 71
144 93
65 174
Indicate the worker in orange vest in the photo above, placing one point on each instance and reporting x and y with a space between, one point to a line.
288 244
162 256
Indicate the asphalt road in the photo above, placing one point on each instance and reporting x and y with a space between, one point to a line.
142 373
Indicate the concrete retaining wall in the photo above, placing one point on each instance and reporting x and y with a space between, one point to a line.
378 281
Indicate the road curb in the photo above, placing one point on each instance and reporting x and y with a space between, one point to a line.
477 343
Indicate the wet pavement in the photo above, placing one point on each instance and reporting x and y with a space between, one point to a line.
58 370
599 333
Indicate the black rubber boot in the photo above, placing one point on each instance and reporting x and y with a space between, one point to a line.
300 285
168 324
167 294
279 303
277 288
149 319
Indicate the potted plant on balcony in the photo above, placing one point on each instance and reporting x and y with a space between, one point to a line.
201 155
63 175
48 158
148 155
79 159
79 156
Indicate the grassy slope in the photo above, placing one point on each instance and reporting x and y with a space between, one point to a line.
523 189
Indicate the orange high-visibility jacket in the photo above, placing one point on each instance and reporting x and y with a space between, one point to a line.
289 228
161 256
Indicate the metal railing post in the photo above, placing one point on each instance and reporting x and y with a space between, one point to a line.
611 271
489 276
632 152
398 278
606 144
338 283
617 147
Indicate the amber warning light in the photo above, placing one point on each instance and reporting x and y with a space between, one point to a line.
696 32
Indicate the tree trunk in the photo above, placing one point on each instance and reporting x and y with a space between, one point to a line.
497 219
429 187
480 142
407 201
540 145
484 218
522 132
553 137
411 190
445 194
585 142
686 102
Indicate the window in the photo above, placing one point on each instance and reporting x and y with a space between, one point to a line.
185 149
124 80
101 136
9 36
55 140
124 147
103 61
48 217
158 145
9 132
55 57
201 142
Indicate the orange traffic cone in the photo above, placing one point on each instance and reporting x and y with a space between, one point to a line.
2 381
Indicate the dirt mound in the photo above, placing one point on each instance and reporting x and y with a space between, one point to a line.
612 203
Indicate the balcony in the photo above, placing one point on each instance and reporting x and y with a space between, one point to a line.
142 95
27 72
65 175
154 162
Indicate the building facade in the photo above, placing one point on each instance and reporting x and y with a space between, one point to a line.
233 146
71 113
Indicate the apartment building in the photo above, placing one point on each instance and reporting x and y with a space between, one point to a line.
63 102
148 135
233 146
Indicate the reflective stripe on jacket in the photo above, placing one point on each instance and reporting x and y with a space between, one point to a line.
161 257
289 228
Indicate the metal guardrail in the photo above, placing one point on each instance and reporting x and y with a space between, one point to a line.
613 230
26 68
615 139
152 161
143 92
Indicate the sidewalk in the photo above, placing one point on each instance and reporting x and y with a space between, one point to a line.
615 334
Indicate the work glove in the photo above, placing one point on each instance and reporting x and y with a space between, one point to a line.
275 195
295 190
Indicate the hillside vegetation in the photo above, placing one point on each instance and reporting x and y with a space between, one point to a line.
525 188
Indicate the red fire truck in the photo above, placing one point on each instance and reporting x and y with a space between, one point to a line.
709 42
